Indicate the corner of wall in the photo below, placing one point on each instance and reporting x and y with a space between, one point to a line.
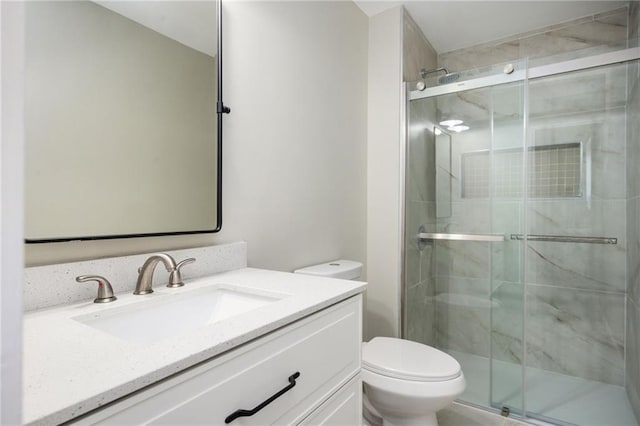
11 215
384 174
417 50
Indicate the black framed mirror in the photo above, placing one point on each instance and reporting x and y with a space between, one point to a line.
123 119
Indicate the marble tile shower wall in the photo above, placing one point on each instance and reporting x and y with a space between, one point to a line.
590 32
478 284
575 292
478 279
420 189
488 274
632 358
634 23
417 52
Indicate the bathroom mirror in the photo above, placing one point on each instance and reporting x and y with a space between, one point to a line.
121 122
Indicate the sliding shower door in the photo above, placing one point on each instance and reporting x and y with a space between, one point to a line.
465 192
508 198
576 247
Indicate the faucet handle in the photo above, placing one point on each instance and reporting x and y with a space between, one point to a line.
175 277
105 291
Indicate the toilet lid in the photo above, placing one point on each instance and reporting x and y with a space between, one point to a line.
404 359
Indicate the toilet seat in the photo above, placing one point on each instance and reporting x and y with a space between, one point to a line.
413 389
407 360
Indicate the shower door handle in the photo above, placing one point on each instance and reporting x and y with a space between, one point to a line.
565 239
490 238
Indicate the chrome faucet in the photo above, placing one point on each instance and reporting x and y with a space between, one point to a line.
105 291
175 276
145 273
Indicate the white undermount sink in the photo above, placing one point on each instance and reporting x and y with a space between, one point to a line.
166 315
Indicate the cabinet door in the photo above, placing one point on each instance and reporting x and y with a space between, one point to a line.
323 348
344 408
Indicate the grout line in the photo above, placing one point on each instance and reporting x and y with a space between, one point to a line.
588 290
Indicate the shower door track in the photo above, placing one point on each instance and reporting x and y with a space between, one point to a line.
609 58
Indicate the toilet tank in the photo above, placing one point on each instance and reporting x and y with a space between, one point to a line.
344 269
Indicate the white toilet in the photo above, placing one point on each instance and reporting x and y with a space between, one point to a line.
405 383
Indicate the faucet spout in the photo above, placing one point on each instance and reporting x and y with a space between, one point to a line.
145 276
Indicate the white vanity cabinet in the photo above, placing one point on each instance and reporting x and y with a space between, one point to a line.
323 348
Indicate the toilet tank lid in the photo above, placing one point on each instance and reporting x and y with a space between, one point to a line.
404 359
344 269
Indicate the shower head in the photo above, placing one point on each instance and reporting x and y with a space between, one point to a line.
448 78
444 79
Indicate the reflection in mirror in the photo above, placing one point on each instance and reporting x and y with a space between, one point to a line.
443 172
120 119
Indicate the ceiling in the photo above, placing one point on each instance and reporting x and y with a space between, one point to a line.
452 24
447 24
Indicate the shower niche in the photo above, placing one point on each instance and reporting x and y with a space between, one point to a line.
552 171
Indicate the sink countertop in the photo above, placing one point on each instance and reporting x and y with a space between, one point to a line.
70 369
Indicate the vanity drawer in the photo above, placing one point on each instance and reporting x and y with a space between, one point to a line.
342 409
323 348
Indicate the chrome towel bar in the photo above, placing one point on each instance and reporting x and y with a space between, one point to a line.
499 237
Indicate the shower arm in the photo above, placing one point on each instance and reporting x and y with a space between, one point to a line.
425 72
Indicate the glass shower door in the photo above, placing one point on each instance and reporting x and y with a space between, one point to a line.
576 248
507 195
463 279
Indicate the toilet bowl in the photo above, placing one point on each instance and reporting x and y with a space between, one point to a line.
405 382
371 416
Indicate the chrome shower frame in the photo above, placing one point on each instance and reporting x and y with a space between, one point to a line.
609 58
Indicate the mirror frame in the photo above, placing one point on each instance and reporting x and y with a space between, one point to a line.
220 110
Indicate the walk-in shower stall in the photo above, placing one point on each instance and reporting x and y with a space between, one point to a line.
522 255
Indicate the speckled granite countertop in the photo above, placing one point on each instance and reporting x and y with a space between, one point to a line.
71 369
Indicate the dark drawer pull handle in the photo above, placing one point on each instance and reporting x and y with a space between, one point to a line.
247 413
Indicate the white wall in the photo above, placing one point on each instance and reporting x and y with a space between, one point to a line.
11 213
295 77
294 166
385 178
